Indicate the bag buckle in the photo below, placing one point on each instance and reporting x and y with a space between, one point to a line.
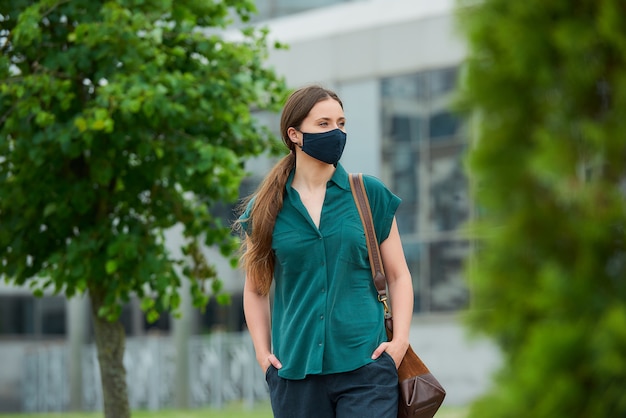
383 299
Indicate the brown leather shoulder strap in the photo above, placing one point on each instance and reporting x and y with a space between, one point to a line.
376 261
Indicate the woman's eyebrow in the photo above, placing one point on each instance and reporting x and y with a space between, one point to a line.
327 118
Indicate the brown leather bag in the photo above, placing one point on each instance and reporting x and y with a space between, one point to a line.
421 394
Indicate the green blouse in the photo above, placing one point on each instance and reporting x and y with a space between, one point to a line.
326 317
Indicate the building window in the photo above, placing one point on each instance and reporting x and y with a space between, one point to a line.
423 147
26 315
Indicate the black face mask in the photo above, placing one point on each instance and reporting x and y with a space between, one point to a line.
325 146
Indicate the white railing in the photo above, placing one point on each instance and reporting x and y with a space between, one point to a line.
222 369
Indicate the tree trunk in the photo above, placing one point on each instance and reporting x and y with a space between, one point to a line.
110 344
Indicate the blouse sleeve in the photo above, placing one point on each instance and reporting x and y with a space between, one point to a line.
383 204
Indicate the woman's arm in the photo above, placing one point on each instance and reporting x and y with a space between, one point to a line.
400 292
256 309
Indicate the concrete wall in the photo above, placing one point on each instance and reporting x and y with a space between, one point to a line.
462 365
373 39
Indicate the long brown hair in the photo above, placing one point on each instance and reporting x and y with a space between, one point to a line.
257 256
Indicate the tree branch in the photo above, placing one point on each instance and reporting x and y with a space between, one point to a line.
7 113
51 9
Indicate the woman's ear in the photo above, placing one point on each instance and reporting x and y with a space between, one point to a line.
292 133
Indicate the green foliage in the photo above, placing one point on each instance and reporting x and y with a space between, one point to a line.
546 81
120 120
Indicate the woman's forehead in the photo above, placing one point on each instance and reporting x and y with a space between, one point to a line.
328 108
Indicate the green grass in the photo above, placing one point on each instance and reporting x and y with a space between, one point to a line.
232 411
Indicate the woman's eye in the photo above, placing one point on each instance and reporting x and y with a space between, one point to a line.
323 123
342 124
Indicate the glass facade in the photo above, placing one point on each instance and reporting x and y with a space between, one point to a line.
423 146
26 316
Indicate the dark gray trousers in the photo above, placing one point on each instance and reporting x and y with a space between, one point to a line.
370 391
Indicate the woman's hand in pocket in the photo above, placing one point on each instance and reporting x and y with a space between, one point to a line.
271 360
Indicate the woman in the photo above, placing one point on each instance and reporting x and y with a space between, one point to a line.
323 347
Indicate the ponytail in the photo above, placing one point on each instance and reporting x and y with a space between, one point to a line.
257 256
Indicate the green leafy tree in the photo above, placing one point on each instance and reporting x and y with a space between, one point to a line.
546 81
119 120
